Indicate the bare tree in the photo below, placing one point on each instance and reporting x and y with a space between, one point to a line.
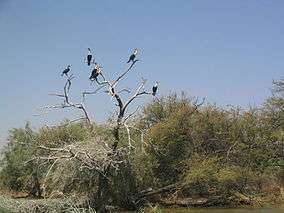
105 158
121 119
67 102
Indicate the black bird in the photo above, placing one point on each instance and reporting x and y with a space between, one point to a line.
155 88
133 56
95 73
112 90
89 57
65 72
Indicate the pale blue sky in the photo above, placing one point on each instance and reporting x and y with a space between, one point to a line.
225 50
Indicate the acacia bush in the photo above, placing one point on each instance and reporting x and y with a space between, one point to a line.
212 149
20 170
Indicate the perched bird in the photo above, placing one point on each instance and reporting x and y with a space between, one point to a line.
155 88
89 57
112 90
95 72
133 56
65 72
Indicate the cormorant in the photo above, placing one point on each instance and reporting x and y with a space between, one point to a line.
154 89
89 57
65 72
95 73
110 91
132 57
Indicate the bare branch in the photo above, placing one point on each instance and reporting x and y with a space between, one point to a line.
59 95
197 105
67 102
138 93
131 114
124 90
123 74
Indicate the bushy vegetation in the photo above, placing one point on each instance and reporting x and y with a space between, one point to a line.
206 150
216 148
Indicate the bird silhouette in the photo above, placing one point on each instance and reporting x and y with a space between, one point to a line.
133 55
65 72
95 72
155 88
89 57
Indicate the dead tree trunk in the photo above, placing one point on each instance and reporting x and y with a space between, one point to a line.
104 186
103 193
35 189
102 196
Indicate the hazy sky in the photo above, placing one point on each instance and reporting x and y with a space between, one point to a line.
227 51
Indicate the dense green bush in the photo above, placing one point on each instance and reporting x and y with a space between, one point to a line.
213 149
21 170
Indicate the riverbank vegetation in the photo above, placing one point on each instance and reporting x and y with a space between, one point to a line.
181 153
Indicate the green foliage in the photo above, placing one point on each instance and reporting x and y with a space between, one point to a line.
201 170
21 171
15 173
63 134
213 148
171 138
160 109
209 150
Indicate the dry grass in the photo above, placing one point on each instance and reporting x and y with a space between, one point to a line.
8 204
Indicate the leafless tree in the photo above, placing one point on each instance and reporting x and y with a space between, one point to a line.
121 119
105 158
67 102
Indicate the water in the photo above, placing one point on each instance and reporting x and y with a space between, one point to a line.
239 210
211 210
